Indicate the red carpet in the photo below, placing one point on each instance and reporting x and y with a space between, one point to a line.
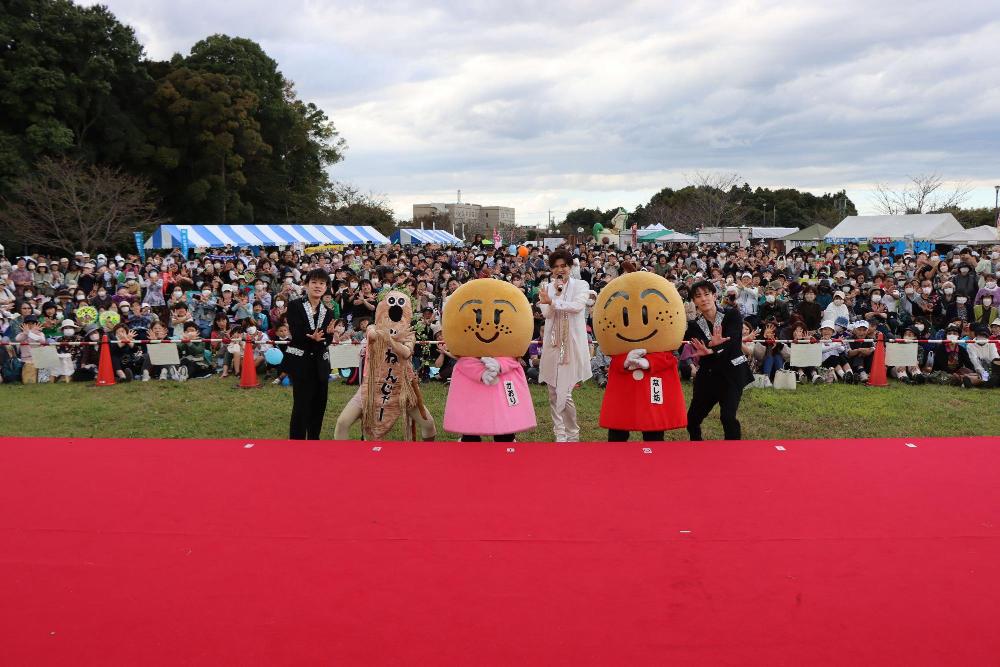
211 553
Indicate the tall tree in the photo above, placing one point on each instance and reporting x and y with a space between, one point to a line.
69 206
71 82
205 132
287 182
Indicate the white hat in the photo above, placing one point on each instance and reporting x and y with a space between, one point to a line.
859 324
68 324
838 293
828 325
227 288
995 323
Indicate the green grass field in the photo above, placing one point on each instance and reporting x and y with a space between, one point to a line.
217 408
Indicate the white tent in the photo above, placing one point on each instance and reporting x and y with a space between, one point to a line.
982 235
771 232
654 228
919 227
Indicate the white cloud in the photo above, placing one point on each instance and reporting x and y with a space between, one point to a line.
559 104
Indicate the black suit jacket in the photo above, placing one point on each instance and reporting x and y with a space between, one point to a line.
302 354
721 362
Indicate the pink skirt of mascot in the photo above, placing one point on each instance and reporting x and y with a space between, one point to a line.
487 325
390 388
639 321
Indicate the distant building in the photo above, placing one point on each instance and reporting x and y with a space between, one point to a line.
465 218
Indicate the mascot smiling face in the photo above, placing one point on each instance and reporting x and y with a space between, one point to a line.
487 318
639 310
394 312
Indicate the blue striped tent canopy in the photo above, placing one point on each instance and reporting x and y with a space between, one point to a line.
438 236
217 236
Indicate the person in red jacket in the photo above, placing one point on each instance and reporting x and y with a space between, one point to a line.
639 321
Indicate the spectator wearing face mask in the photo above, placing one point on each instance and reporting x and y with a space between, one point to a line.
985 310
945 304
966 282
837 309
204 311
989 289
808 310
911 374
86 364
985 360
950 361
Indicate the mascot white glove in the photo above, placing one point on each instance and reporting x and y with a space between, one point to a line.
636 359
491 369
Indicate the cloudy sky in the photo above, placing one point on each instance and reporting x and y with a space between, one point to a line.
555 105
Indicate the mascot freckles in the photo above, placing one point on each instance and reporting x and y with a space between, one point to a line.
639 321
390 387
487 324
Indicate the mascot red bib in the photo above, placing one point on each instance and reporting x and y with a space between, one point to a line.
639 321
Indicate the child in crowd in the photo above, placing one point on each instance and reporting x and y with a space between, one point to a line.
68 351
835 353
157 332
192 354
31 334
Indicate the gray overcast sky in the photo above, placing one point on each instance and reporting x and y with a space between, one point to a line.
555 105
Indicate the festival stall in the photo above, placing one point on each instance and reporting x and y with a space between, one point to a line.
410 236
810 236
982 235
218 236
897 233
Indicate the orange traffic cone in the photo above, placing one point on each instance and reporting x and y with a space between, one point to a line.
877 377
248 374
105 372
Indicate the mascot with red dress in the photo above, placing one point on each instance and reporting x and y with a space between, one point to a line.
639 321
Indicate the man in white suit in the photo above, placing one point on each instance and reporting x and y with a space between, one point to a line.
565 354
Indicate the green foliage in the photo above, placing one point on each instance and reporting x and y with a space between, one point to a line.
973 217
705 205
71 82
219 133
205 132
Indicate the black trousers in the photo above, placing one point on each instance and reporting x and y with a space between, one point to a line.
309 393
614 435
508 437
710 389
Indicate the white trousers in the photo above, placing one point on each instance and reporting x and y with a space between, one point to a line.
564 423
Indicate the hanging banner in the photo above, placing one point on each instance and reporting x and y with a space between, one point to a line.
140 242
184 243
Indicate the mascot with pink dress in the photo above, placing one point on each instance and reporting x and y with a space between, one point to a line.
487 324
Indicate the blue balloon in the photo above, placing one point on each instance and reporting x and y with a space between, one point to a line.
273 356
512 249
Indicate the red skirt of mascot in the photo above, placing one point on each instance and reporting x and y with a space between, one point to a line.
639 321
487 324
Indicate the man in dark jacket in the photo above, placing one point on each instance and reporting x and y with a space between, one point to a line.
723 370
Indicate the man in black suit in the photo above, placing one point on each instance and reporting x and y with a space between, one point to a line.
723 370
307 357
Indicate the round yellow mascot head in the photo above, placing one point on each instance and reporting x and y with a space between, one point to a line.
487 318
394 312
639 310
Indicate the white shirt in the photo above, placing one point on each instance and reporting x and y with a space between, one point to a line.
567 310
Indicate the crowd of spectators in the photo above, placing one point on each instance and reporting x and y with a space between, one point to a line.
840 296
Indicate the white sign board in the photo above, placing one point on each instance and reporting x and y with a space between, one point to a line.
46 357
900 354
345 356
163 354
806 355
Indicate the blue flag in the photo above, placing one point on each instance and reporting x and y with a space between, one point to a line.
184 243
140 243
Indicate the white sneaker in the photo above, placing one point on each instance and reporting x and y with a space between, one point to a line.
164 374
145 376
182 373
